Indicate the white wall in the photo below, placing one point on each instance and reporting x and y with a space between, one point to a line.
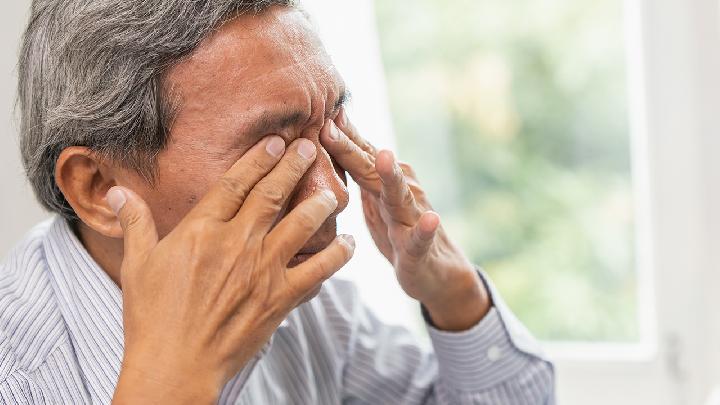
682 54
18 208
677 116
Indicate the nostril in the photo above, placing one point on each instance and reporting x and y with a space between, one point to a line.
323 174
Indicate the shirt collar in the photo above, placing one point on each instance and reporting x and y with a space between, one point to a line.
91 304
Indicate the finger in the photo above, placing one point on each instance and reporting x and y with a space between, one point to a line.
395 193
423 234
228 194
291 234
268 197
347 127
417 191
139 232
305 277
357 162
370 209
377 227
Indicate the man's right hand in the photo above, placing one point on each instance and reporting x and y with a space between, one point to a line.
201 302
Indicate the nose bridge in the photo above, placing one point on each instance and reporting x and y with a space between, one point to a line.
322 174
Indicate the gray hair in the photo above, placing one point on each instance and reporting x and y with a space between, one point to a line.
91 74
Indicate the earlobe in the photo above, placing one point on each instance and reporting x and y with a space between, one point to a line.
84 179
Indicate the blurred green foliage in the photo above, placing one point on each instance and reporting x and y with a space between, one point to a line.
514 114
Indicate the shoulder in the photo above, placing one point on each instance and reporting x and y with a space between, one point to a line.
30 324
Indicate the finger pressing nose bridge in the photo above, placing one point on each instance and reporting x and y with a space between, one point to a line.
322 175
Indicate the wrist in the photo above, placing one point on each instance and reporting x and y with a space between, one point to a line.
172 385
460 306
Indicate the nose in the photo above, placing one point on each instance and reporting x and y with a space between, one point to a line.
323 174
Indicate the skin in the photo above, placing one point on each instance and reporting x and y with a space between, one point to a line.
222 201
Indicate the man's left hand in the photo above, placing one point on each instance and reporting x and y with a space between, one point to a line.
428 265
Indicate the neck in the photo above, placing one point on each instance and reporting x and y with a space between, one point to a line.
107 252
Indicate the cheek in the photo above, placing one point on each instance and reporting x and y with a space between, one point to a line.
178 189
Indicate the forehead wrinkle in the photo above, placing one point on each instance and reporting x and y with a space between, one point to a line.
301 83
277 119
304 79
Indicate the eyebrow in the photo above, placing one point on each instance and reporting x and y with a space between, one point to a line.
275 121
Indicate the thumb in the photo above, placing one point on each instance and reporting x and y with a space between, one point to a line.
139 232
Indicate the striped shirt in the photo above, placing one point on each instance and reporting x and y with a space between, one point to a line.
61 342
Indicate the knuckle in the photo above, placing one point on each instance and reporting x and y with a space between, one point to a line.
367 147
274 196
305 222
346 146
368 164
368 170
394 200
233 185
407 197
297 166
133 219
258 165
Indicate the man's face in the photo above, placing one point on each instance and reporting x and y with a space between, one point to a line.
257 75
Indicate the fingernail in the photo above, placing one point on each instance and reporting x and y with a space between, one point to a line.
307 149
334 131
329 195
349 241
342 117
116 199
275 146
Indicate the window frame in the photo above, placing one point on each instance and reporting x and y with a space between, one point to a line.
673 57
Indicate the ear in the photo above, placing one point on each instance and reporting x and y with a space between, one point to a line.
84 179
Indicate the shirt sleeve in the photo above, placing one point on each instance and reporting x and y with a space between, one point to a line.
494 362
482 365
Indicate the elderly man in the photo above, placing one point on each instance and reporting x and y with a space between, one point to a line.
195 153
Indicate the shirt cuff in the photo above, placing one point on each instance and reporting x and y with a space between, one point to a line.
478 358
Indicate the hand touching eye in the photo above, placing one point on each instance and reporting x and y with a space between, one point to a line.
428 265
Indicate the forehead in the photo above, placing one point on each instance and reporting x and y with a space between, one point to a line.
254 63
